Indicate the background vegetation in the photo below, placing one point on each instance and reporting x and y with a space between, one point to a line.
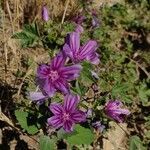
123 35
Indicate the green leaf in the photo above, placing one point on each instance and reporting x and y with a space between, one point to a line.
144 94
136 143
86 75
29 36
46 143
80 136
120 91
79 88
23 118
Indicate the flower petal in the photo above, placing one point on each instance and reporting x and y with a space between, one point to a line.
78 116
88 48
93 58
113 104
113 110
70 102
79 29
119 118
49 88
70 72
73 40
37 96
56 108
55 121
58 61
68 126
121 111
67 50
62 86
43 71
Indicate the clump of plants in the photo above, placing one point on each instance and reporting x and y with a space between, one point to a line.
94 76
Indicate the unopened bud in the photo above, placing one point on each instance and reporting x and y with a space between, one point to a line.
45 15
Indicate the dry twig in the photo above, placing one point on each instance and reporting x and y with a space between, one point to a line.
4 45
64 14
10 15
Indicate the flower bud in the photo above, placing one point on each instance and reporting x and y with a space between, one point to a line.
45 15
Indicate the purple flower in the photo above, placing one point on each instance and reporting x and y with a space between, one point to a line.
79 53
55 76
66 115
79 29
45 15
98 126
37 97
113 110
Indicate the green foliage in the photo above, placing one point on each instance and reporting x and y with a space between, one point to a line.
119 74
147 123
136 143
55 34
147 134
79 136
144 94
86 76
79 89
29 36
120 91
23 120
147 129
47 144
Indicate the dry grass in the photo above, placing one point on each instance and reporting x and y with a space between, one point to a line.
16 13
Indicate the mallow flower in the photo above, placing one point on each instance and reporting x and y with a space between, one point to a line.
37 97
55 76
66 115
79 53
45 15
114 110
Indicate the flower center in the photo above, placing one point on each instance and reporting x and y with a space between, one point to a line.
66 116
77 57
53 75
